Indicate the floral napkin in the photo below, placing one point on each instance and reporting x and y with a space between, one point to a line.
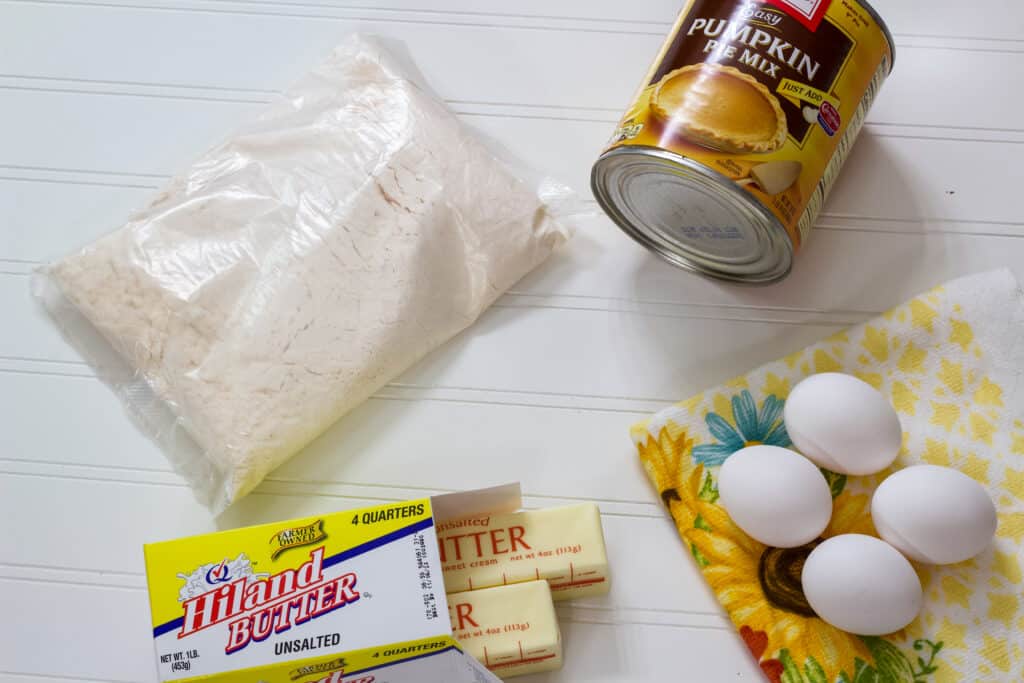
950 361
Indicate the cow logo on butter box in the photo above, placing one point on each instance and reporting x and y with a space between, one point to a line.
296 537
209 576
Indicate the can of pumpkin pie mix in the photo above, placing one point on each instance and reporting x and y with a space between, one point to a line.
723 161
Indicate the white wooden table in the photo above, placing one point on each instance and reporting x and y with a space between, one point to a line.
100 100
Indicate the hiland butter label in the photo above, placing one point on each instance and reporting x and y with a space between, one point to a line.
311 599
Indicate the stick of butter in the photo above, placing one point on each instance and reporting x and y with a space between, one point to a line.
512 630
564 545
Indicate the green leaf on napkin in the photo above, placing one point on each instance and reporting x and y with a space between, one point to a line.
699 556
929 667
864 672
708 491
836 482
790 671
893 666
813 671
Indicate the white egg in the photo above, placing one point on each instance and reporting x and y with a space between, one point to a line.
775 495
843 424
934 514
861 585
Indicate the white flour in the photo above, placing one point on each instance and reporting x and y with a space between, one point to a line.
296 268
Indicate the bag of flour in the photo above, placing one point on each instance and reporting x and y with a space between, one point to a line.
299 266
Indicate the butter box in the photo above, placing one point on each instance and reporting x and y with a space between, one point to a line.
346 597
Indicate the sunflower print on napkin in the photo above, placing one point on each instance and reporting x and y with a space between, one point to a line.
950 362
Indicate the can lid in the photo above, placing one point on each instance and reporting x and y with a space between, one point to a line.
691 216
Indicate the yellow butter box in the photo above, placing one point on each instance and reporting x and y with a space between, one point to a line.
346 597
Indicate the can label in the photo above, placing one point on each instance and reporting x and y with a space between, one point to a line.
769 93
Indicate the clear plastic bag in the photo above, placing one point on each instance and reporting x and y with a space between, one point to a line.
299 266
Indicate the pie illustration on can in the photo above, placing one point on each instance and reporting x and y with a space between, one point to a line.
720 107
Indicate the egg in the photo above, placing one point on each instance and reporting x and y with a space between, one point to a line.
934 514
861 585
843 424
775 495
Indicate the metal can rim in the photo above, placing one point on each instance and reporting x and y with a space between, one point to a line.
730 188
